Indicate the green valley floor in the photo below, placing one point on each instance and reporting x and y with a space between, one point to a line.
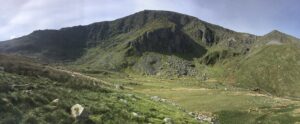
229 104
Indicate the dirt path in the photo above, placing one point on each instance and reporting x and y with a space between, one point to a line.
80 75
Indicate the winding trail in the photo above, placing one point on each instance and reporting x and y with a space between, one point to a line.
80 75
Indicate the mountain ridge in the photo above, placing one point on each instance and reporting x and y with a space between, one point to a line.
147 42
111 28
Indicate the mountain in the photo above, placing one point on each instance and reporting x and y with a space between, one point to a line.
168 44
150 67
273 65
276 37
142 41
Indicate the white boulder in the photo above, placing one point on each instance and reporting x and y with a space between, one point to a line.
55 101
76 110
168 121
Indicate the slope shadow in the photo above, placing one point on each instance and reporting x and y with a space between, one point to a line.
167 42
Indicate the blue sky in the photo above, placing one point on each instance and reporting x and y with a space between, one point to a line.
21 17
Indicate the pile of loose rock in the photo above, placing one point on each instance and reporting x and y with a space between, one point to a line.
201 117
168 121
158 99
2 68
204 117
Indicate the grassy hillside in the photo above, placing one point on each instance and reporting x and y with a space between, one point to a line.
32 93
274 68
271 65
231 105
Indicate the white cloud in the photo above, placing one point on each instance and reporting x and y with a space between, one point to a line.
12 37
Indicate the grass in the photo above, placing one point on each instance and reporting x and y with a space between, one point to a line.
138 46
268 116
230 104
101 106
222 98
31 103
28 98
274 68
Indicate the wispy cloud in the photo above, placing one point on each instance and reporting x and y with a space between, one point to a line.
20 17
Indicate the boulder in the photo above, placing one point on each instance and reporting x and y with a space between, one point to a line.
192 114
55 101
5 100
119 87
155 98
1 68
168 121
76 110
134 114
123 101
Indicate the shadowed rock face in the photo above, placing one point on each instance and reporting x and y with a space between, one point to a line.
167 41
208 37
49 44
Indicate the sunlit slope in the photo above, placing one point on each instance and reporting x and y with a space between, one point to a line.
274 68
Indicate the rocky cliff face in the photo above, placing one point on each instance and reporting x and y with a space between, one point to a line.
167 41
